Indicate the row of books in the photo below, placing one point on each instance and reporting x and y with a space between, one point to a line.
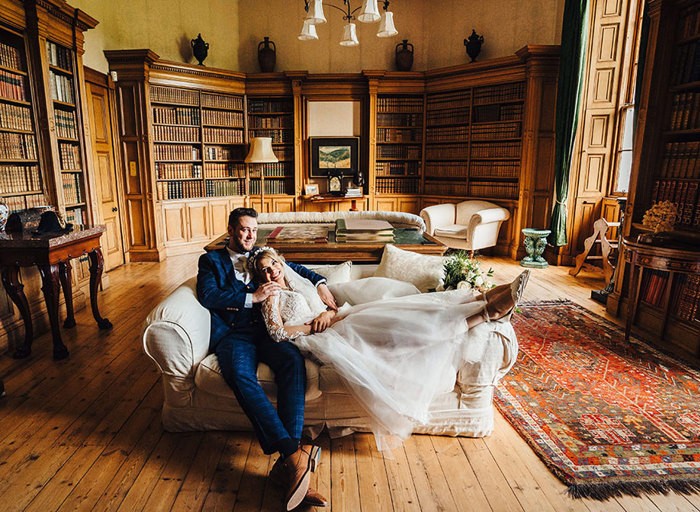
493 189
272 186
222 153
19 146
224 170
171 95
175 152
279 169
284 153
16 203
225 188
385 104
174 171
690 24
685 111
19 178
61 87
271 122
447 134
65 124
445 188
496 150
74 216
447 152
224 101
681 160
69 155
449 100
178 189
15 117
176 133
496 131
58 56
10 57
396 119
495 112
277 136
397 168
394 186
176 115
405 152
446 170
654 286
222 118
12 86
684 195
499 93
398 135
686 298
441 117
494 169
686 67
72 188
223 135
264 106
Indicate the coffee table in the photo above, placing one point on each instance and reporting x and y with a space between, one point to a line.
332 251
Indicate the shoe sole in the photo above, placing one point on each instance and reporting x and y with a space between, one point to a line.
300 492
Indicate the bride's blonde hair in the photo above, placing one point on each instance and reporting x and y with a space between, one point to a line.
263 252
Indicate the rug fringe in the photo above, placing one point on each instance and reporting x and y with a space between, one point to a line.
607 490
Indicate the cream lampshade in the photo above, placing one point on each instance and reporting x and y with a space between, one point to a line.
261 153
349 36
308 32
386 26
315 14
370 12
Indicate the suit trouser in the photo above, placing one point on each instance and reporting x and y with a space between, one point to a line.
239 353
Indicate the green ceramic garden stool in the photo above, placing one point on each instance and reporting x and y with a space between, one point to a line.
535 242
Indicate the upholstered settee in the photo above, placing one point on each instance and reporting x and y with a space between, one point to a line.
397 219
176 337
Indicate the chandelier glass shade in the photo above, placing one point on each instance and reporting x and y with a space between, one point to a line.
368 13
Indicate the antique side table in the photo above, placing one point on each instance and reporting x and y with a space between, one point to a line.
51 253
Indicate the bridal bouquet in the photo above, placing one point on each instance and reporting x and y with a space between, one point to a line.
462 271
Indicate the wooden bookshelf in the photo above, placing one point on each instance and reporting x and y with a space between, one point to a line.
399 144
22 184
274 118
666 168
198 143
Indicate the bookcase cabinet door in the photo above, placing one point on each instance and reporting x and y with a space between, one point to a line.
283 204
174 222
197 218
219 211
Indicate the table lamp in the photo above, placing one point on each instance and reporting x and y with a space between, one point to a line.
261 153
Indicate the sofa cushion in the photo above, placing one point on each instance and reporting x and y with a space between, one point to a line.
370 289
335 274
453 230
208 378
422 270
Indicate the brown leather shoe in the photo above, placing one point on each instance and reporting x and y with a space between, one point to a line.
298 467
314 499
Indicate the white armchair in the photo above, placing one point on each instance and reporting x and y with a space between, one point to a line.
470 225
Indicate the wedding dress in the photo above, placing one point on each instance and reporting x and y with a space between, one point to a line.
396 355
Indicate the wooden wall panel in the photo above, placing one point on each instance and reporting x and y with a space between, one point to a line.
137 234
197 217
175 223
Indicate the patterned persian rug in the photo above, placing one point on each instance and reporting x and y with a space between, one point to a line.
607 417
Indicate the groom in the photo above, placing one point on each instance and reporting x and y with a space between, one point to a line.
239 339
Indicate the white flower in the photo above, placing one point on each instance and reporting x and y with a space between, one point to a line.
478 281
462 285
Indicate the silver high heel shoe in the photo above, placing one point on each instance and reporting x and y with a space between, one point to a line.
517 288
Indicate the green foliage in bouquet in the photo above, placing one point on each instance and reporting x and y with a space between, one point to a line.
461 271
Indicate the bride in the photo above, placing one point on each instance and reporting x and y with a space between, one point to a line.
396 355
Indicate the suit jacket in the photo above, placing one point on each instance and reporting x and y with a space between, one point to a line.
223 294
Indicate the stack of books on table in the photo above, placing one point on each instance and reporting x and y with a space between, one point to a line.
363 230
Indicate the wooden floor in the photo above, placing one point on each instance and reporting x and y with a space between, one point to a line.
85 434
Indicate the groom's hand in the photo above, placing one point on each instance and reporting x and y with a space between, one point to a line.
326 296
266 290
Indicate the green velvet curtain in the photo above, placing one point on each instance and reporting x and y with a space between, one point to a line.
571 64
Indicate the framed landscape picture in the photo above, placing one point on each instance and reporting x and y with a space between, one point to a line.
334 154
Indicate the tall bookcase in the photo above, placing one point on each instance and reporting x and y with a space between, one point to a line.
21 179
666 167
399 144
274 118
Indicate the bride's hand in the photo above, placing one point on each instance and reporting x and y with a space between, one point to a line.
327 296
322 321
266 290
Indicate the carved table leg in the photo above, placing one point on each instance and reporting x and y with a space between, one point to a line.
67 284
96 265
51 287
15 289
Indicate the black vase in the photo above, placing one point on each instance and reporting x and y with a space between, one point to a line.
473 45
200 49
404 56
267 55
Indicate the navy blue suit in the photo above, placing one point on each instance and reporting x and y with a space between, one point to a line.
240 340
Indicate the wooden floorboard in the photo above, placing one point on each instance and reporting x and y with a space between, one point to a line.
84 434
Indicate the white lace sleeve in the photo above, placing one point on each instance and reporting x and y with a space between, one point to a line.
273 320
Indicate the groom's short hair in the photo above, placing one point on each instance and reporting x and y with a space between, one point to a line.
237 213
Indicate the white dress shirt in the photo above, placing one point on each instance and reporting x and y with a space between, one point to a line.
242 272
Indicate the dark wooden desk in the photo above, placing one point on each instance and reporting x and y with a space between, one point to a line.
51 253
644 256
331 251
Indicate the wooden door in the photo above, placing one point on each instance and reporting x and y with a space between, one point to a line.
105 171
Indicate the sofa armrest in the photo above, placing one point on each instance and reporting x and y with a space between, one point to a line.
491 215
438 215
176 332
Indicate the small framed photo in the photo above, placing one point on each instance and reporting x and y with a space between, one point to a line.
338 154
311 189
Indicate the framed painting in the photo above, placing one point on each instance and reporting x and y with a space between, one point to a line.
337 154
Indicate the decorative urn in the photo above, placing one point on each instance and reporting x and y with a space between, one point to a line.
404 56
200 49
473 45
267 55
